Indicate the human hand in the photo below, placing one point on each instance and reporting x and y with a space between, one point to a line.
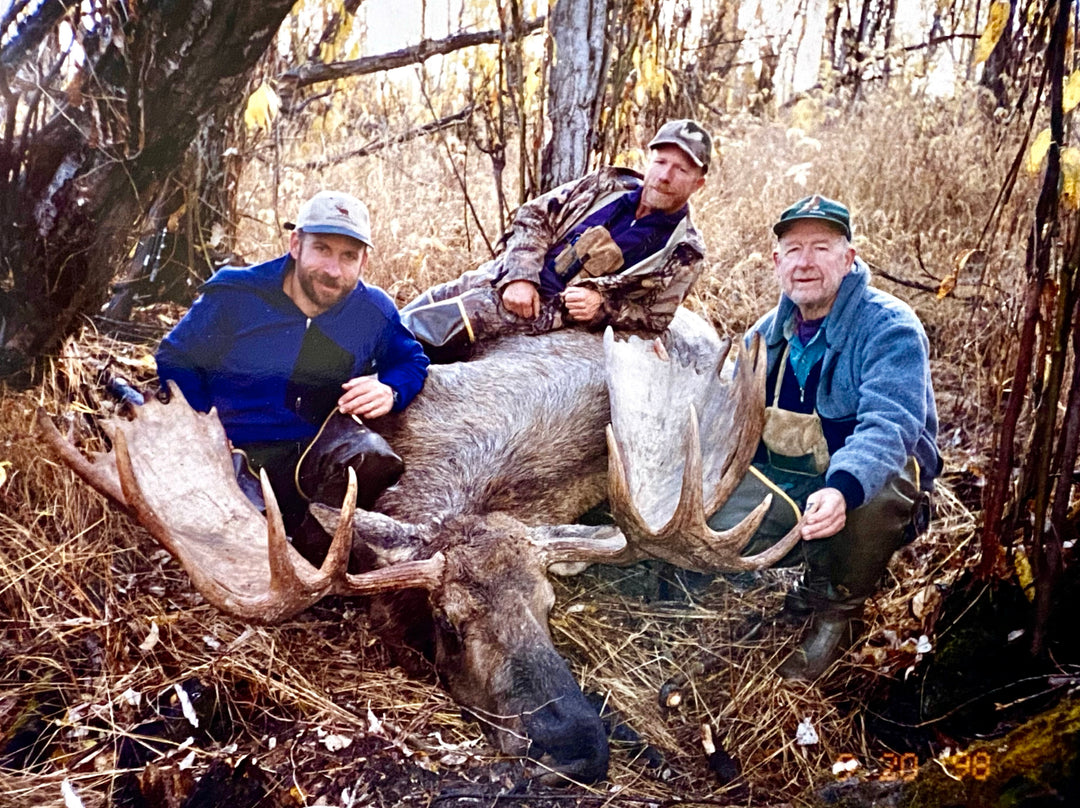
521 298
366 396
826 513
582 304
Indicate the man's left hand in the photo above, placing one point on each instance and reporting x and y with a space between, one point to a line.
367 397
826 513
582 304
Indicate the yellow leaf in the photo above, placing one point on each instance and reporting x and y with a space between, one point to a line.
176 217
1072 92
3 472
807 114
1070 178
1037 152
995 27
947 285
1024 575
262 108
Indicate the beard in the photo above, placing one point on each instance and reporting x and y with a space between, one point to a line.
320 289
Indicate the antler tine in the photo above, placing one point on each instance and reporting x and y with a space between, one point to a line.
749 416
771 555
73 459
722 355
424 574
337 558
284 581
563 547
623 509
690 510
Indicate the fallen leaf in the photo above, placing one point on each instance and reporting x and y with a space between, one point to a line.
151 638
805 734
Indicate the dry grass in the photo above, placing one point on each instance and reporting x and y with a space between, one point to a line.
82 588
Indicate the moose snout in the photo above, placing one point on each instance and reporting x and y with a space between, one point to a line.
572 743
564 730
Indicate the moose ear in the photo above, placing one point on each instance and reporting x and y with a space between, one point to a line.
568 549
390 540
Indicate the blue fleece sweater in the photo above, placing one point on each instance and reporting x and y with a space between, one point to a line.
872 388
272 372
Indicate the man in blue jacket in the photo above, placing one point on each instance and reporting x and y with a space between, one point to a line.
279 347
850 433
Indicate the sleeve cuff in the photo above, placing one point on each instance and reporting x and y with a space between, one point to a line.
846 483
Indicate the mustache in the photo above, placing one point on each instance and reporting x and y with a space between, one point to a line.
325 280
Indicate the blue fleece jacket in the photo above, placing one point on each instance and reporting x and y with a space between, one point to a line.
872 388
273 373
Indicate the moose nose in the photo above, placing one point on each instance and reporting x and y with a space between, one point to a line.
574 745
566 729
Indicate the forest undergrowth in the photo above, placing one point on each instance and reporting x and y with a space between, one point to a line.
103 631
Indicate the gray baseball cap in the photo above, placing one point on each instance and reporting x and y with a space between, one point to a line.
334 212
688 135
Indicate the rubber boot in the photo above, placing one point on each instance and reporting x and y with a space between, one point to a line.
832 631
344 442
800 604
442 328
421 300
810 595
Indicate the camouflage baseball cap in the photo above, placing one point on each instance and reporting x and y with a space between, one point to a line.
334 212
815 207
689 136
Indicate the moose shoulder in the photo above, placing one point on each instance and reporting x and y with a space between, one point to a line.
501 454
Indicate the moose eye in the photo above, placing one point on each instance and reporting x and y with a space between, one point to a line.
445 626
449 636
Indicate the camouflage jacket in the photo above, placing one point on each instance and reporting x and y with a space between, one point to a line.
642 297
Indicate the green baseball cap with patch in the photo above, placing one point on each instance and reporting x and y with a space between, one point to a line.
815 207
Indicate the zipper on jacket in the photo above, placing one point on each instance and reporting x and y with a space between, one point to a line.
296 405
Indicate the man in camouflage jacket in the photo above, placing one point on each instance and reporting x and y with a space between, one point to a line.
614 248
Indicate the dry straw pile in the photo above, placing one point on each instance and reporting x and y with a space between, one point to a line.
104 644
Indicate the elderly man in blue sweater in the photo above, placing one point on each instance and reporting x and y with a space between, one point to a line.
279 347
850 429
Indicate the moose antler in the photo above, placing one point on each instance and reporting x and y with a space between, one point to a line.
171 468
662 498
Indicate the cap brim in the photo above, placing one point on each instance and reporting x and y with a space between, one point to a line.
665 142
783 226
332 230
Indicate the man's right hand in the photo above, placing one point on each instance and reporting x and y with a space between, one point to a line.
826 514
521 298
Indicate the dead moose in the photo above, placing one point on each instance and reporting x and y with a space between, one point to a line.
502 454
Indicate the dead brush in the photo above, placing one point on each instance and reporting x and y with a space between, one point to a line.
99 613
95 612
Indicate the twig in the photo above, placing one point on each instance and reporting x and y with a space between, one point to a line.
404 137
453 166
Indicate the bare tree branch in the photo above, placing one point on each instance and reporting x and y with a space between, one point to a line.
312 73
404 137
32 31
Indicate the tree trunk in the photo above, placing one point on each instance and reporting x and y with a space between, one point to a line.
576 87
77 179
